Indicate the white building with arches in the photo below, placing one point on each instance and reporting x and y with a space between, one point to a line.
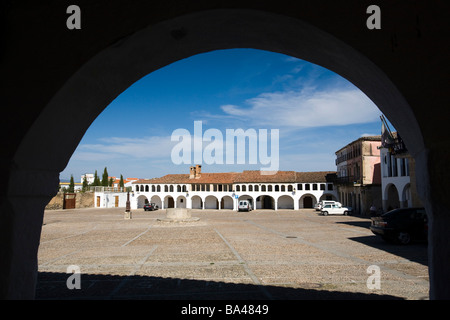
222 191
398 181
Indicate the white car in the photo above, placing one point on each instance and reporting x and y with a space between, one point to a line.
335 208
245 205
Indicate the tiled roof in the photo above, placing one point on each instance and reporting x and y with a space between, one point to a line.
256 176
314 176
248 176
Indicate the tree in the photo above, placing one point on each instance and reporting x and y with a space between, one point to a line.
85 184
71 184
121 183
105 178
96 180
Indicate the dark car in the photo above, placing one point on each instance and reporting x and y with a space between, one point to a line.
149 207
401 225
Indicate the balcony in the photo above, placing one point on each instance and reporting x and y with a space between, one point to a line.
348 180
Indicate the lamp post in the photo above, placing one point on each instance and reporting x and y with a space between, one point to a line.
127 214
127 208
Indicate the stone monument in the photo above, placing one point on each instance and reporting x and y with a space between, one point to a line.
178 215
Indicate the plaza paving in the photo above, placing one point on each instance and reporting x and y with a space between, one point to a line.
263 254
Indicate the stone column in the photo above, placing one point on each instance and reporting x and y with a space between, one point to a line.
22 212
431 171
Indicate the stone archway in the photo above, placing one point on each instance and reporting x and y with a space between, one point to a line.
211 202
197 202
285 202
141 201
392 197
83 83
226 202
169 202
157 201
307 201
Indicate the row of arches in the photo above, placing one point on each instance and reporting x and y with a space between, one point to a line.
238 188
397 196
228 202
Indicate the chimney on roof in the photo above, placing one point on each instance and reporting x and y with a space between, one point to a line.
198 171
191 172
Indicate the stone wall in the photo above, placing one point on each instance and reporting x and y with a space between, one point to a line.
83 200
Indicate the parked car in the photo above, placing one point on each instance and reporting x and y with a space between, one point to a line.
401 225
150 207
335 208
245 205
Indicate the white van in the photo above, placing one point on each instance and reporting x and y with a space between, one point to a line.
245 205
319 205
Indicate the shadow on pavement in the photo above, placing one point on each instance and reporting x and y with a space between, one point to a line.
417 251
114 287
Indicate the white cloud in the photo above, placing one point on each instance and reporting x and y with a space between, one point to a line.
307 108
117 148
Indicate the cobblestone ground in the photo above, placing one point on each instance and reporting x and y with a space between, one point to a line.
263 254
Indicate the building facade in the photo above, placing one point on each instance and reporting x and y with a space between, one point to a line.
358 174
398 178
199 190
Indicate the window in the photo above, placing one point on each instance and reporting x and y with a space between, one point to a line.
403 166
322 186
238 188
250 188
289 188
277 188
307 186
256 188
314 186
263 188
153 188
330 187
299 186
158 189
283 188
244 188
269 188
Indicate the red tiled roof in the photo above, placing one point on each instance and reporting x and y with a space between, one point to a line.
256 176
248 176
314 176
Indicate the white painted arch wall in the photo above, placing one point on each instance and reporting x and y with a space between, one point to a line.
288 196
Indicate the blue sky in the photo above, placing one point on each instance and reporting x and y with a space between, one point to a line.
315 110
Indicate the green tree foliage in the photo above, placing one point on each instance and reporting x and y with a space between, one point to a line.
96 180
121 183
71 185
105 178
85 184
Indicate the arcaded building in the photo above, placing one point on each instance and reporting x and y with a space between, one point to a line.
223 190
